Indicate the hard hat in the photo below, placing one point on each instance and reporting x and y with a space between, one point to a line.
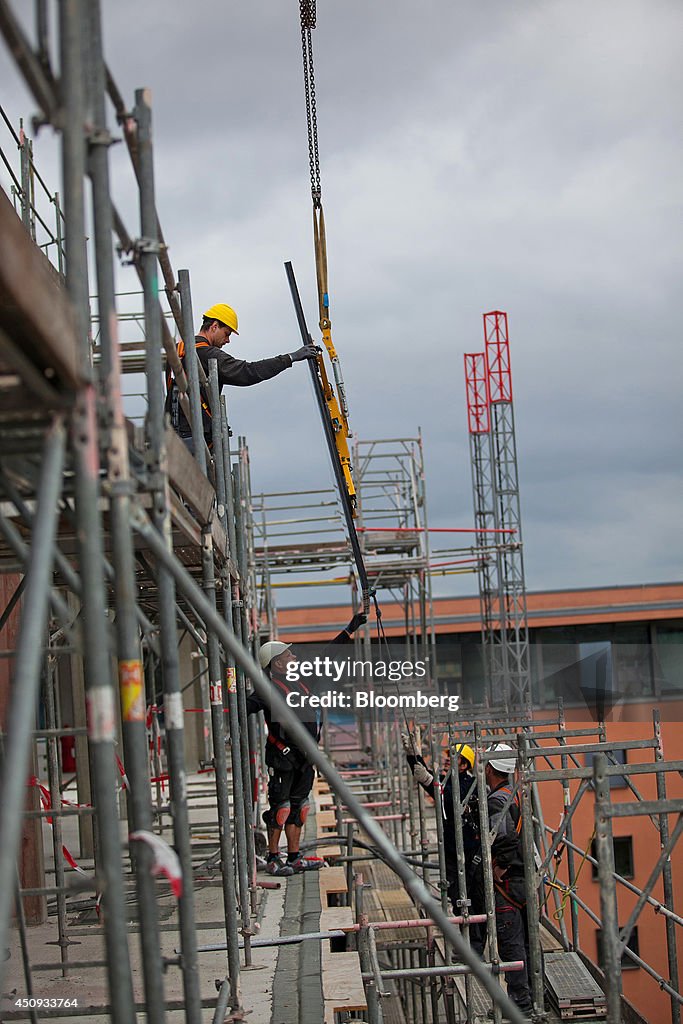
271 650
226 315
506 765
463 750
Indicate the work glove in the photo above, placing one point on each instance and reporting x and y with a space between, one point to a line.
422 774
409 745
359 619
305 352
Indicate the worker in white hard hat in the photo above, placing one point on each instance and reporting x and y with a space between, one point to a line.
290 775
219 323
505 822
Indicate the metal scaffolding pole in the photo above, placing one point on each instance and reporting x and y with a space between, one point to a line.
130 672
98 682
156 455
27 673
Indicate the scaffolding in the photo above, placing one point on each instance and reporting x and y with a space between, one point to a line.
497 516
131 609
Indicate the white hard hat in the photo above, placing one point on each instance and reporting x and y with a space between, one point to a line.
506 765
270 651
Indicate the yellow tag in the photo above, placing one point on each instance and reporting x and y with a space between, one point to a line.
231 680
132 691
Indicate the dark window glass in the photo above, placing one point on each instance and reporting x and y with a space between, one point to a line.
627 964
623 856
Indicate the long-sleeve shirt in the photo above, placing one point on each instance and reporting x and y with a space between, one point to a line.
236 372
308 717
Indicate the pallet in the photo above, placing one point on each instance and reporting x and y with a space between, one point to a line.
572 990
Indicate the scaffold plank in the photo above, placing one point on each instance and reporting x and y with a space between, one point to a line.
187 478
336 919
332 882
342 982
35 312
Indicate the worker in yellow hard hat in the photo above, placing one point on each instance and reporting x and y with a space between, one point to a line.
219 323
460 754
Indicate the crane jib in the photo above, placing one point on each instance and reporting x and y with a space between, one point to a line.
328 430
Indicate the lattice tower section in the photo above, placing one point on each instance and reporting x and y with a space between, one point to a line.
513 630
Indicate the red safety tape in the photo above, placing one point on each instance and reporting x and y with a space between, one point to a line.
46 801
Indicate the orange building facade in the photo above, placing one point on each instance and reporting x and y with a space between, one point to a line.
641 629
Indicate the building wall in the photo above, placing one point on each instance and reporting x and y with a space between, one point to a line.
641 989
642 628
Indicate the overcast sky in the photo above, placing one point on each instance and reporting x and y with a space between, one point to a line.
503 154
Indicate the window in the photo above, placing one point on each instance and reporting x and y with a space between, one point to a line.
627 964
623 856
669 659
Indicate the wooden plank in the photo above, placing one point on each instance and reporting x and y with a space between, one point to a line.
35 312
332 880
342 982
336 919
326 820
187 478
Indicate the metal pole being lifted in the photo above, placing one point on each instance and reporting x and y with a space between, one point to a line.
331 444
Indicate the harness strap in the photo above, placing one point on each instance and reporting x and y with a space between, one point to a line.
278 743
170 379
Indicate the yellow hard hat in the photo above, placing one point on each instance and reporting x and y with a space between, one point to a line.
226 315
463 750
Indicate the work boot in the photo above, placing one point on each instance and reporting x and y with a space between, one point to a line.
526 1010
306 864
276 866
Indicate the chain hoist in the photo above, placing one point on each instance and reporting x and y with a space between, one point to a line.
336 403
307 12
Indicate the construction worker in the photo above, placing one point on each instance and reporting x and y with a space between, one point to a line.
219 323
425 778
508 872
290 775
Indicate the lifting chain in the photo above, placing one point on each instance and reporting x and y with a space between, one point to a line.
307 12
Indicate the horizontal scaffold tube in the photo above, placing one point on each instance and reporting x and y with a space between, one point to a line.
339 933
302 738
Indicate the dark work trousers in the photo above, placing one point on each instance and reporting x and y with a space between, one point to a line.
513 944
477 931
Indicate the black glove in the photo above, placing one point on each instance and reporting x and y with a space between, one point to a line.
359 619
305 352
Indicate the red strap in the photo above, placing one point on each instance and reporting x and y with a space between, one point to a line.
276 743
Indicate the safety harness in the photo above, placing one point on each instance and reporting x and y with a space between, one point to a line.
172 400
275 741
515 812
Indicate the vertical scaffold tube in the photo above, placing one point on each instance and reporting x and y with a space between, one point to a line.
240 793
667 879
26 676
191 369
610 959
535 965
242 632
99 691
156 454
131 678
